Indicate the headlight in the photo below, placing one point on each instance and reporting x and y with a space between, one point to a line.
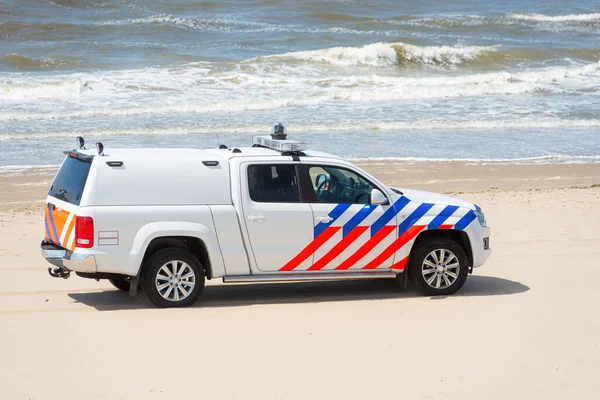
481 217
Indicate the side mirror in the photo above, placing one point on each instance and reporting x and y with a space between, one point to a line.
320 179
377 197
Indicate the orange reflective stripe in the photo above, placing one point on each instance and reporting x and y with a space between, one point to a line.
69 229
60 217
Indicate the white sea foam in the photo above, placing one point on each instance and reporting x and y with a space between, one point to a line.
458 125
196 89
557 18
206 23
220 24
157 109
251 129
43 90
551 158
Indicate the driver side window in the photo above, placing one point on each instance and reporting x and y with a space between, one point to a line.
339 185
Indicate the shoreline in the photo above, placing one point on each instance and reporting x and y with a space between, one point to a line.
25 190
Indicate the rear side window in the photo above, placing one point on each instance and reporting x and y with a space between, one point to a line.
70 181
273 183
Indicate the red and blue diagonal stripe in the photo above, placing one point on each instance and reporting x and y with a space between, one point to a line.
359 217
389 214
334 214
413 231
350 232
405 234
379 231
407 230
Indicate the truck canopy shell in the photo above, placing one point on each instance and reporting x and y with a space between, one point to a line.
158 177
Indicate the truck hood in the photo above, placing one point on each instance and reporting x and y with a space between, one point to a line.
435 198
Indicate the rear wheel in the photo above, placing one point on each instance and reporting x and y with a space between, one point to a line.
121 283
173 277
438 266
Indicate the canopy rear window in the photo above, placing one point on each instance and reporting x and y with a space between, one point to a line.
70 181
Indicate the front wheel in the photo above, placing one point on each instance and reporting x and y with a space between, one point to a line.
173 277
438 266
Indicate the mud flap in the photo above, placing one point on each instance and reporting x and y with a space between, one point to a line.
402 280
133 285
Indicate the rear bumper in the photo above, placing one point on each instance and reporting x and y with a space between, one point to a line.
63 258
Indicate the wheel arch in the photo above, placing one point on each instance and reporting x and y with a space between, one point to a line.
198 239
190 243
459 236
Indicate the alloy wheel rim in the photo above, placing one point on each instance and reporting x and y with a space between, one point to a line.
440 268
175 280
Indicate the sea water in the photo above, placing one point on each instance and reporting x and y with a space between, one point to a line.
510 81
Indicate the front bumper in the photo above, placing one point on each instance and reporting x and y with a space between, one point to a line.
64 259
479 239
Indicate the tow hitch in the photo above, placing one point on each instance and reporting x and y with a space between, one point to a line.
59 272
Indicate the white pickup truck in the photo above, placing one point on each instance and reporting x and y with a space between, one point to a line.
167 219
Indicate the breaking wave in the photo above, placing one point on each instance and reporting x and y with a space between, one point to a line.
390 54
279 91
557 18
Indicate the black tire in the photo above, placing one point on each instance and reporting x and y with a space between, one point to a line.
417 259
121 283
152 267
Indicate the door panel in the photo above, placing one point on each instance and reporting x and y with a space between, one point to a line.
279 234
280 228
361 235
355 243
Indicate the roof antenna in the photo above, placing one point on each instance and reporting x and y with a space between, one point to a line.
279 132
221 146
80 143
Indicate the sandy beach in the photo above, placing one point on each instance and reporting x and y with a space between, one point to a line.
524 326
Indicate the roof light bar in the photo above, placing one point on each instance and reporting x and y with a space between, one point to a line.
279 145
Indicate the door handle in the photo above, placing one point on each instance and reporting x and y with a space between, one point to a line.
256 218
324 219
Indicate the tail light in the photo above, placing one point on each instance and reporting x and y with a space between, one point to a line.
84 232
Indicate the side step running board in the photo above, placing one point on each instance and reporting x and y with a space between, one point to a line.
285 277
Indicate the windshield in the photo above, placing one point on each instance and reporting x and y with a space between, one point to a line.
70 180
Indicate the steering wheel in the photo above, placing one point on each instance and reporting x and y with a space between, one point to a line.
324 182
